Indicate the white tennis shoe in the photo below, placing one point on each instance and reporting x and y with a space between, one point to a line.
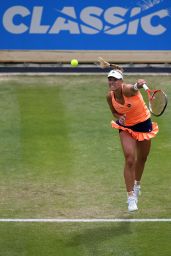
132 204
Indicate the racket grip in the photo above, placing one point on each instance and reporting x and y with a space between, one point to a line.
145 87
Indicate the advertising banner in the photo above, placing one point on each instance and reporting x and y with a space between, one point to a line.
85 25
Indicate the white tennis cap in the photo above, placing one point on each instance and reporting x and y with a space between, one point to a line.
116 74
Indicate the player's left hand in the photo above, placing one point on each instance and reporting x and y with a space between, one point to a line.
122 119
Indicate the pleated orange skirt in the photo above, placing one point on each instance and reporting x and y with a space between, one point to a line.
140 136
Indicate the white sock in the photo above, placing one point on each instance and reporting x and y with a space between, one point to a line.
137 183
130 194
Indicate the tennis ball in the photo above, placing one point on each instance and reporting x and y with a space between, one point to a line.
74 63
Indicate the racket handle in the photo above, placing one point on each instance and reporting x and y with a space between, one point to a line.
145 87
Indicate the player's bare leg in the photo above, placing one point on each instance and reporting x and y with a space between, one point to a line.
129 149
143 149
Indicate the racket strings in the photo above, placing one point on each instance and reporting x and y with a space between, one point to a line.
158 102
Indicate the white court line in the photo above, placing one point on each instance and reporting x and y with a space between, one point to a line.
84 220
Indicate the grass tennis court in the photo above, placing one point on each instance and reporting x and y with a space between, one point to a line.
60 158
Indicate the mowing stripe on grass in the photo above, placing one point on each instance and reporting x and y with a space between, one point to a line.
85 220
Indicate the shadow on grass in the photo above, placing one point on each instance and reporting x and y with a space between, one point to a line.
95 239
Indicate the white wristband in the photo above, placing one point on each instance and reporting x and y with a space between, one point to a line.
135 87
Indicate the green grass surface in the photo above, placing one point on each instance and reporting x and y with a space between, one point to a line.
59 158
121 239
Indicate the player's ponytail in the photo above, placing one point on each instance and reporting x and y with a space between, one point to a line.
104 64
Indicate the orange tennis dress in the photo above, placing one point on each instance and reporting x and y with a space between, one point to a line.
136 113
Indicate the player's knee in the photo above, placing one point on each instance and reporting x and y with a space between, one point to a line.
129 159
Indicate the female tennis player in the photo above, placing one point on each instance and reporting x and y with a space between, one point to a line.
135 129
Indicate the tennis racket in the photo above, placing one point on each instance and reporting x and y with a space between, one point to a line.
157 101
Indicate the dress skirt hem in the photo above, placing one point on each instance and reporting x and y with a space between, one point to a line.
140 136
